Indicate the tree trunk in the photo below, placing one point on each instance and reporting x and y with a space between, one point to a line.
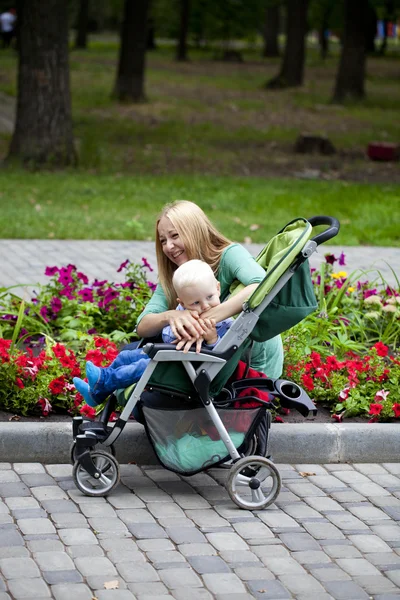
181 48
271 31
129 85
151 34
82 25
351 73
43 128
292 70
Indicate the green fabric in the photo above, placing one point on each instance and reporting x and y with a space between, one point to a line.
190 452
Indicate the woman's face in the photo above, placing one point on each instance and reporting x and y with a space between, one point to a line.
171 243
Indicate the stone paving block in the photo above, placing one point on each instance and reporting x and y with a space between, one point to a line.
394 577
302 584
357 567
370 468
252 530
74 537
311 557
191 501
323 531
285 496
3 508
208 564
268 590
69 520
393 512
28 588
328 482
130 556
5 519
392 468
155 544
103 511
107 525
118 544
30 513
342 551
231 511
146 530
369 543
70 576
25 468
206 518
11 490
185 535
162 556
384 560
9 477
369 489
115 595
374 584
299 541
195 594
311 468
38 479
388 481
96 582
274 550
346 521
95 566
300 511
283 566
277 518
252 573
135 516
225 583
304 489
166 522
10 537
71 592
36 526
80 498
54 561
13 552
227 541
323 504
59 471
59 506
197 550
138 573
150 494
17 568
150 588
383 501
48 492
348 496
125 501
85 551
352 477
369 514
176 578
346 590
165 509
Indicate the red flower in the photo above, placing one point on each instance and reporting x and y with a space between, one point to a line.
381 349
396 409
307 382
88 411
56 386
337 418
59 350
375 408
19 383
278 419
96 357
102 342
315 359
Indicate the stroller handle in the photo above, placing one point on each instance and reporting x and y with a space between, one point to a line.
333 228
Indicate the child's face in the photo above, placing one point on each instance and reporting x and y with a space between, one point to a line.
200 297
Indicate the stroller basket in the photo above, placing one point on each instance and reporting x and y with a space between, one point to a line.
186 441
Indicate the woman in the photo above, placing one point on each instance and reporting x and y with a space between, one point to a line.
184 232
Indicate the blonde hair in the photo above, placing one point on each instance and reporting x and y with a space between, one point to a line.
200 238
191 273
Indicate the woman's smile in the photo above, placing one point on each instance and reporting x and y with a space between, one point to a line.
171 243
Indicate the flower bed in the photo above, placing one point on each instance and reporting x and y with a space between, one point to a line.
345 355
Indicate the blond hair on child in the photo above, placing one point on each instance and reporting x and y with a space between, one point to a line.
192 272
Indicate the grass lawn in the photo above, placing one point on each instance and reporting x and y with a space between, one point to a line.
100 206
211 133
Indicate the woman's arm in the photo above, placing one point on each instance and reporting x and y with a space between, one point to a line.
230 307
184 324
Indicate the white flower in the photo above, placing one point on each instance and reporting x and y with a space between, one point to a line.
381 395
389 308
373 300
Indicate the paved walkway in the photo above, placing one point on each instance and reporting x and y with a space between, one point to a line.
23 261
333 533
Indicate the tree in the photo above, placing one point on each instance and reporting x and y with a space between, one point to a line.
271 29
129 84
184 13
82 25
43 128
291 73
351 73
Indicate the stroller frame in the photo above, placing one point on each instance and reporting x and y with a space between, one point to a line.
96 472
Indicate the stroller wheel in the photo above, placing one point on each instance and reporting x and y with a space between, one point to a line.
110 474
254 482
72 451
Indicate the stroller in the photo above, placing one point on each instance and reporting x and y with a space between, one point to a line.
205 419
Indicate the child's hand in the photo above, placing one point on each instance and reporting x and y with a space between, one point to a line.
210 335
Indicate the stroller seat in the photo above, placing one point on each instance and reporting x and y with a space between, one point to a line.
207 431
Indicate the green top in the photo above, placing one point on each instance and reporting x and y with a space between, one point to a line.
236 264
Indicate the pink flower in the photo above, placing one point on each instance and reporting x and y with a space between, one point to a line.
123 265
82 277
337 418
67 292
86 294
152 285
50 271
381 396
342 261
44 312
146 264
55 304
344 394
330 259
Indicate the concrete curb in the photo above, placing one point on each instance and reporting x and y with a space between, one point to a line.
297 442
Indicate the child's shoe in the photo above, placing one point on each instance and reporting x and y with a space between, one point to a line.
84 389
93 374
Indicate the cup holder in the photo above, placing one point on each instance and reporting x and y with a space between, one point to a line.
290 390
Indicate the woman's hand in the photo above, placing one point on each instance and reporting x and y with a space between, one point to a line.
185 325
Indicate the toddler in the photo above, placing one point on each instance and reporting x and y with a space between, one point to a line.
197 291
